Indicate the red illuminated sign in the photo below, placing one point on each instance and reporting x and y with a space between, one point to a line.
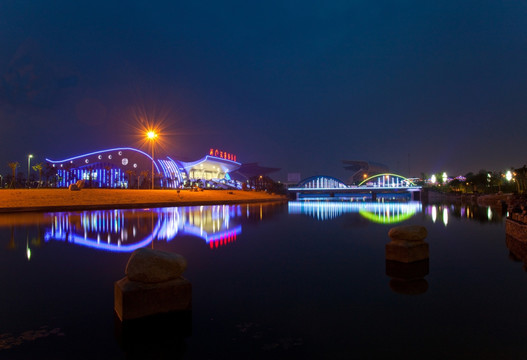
222 154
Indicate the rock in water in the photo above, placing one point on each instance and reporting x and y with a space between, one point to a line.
154 266
153 285
407 244
408 233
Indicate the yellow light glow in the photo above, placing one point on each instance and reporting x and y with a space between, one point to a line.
151 135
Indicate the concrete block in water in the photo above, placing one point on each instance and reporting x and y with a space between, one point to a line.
407 244
133 299
407 252
153 285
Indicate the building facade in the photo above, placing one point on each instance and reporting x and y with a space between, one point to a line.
132 168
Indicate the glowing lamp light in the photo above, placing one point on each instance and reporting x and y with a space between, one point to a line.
29 157
433 179
445 177
508 175
151 135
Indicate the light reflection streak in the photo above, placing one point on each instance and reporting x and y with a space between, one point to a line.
128 230
445 213
379 212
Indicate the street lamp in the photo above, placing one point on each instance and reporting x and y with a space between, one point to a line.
28 167
152 136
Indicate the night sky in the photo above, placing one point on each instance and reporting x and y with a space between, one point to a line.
420 86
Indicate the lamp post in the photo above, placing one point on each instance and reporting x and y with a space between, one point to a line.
28 167
152 136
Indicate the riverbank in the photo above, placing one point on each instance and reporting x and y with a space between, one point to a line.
24 200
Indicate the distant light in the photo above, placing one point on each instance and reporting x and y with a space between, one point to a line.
508 175
445 177
433 179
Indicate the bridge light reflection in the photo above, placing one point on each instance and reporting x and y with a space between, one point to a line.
378 212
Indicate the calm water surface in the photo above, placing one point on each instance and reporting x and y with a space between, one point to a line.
287 281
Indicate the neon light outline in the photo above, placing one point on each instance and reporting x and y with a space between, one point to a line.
103 151
307 180
388 174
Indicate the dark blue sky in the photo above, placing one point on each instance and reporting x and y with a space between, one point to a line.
420 86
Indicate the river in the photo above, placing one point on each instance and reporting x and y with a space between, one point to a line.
293 280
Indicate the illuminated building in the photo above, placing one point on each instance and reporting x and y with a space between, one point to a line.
131 168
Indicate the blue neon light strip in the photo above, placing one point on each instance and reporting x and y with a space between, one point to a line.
103 151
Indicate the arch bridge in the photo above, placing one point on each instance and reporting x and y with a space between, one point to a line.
386 183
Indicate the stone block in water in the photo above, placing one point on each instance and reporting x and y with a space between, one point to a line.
134 300
154 266
153 285
407 244
408 233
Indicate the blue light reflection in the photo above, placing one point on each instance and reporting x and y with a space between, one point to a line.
379 212
128 230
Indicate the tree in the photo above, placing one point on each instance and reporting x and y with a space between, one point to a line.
50 172
38 167
520 176
129 174
13 166
146 178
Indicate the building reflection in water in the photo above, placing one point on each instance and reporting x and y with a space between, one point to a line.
378 212
128 230
442 212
